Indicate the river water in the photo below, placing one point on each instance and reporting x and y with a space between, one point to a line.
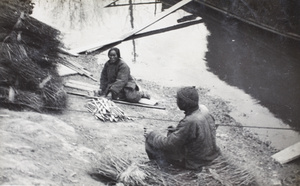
256 72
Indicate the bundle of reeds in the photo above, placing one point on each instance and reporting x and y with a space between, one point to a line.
28 58
106 110
20 99
112 169
21 67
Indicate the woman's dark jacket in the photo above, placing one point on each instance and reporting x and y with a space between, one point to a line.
116 76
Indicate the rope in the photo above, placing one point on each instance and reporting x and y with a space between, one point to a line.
217 125
169 120
258 127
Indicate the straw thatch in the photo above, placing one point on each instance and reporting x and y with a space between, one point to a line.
28 58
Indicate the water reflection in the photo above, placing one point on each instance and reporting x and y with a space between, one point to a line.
264 65
88 22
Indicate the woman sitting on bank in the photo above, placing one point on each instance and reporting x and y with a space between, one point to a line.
116 81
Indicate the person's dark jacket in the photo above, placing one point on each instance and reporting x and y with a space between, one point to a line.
116 76
193 141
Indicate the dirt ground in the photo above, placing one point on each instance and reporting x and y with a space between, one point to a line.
62 148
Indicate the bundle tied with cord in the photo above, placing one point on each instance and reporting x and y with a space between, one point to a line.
29 54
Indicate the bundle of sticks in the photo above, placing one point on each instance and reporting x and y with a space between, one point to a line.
106 110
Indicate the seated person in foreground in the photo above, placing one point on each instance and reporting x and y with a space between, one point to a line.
116 81
192 144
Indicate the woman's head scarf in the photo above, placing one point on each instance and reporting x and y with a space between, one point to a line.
116 50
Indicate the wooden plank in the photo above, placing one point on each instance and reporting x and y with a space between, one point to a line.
147 101
97 46
78 67
139 104
65 51
84 84
161 16
165 29
79 70
64 70
117 101
288 154
80 87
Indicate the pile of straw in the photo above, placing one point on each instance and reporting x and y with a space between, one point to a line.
113 170
28 58
224 170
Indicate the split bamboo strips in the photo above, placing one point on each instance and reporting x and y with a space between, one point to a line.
106 110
